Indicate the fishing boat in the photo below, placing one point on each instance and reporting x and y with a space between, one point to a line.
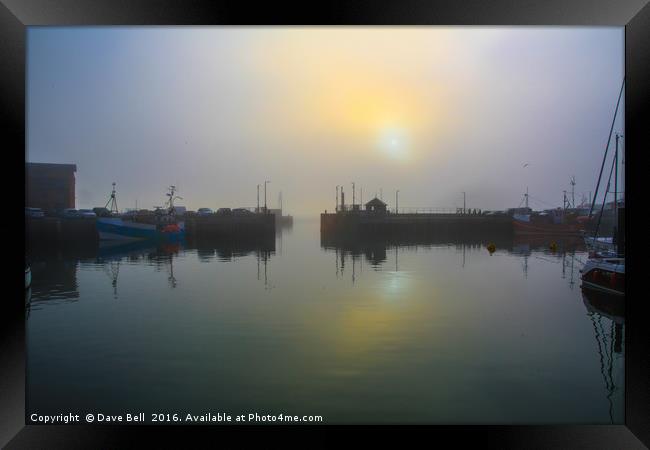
545 224
550 222
161 224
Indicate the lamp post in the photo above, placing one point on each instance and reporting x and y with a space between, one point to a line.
337 198
396 201
265 183
463 202
258 199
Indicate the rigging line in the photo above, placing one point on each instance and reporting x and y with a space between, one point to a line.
600 351
593 202
607 359
602 208
602 368
612 387
539 200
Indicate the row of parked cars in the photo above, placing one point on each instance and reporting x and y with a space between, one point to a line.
68 213
223 212
71 213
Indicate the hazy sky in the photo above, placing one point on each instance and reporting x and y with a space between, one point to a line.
430 111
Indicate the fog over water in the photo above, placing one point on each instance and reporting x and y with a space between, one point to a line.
431 111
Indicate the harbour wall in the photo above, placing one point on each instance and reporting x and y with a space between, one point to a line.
392 225
53 231
249 226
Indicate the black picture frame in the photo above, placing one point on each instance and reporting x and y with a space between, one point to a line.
16 15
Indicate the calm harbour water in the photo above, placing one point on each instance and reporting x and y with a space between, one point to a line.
439 333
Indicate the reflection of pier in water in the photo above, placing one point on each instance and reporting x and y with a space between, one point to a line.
54 279
607 315
230 249
282 228
377 251
161 255
54 272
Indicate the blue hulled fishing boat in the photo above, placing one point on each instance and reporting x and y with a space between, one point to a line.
160 224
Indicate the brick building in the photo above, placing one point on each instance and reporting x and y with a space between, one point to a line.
50 187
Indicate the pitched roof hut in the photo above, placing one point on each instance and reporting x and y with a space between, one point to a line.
376 206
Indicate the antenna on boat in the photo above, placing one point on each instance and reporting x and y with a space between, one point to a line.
112 200
526 197
172 197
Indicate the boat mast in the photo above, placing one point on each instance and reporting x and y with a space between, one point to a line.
526 197
616 177
170 194
606 149
112 200
602 208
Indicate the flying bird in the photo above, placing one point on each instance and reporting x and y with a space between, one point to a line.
525 164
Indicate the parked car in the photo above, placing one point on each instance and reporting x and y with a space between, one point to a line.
34 212
102 212
88 213
224 211
180 210
70 213
205 212
241 212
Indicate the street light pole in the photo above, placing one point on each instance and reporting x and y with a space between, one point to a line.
265 182
396 202
258 198
337 198
353 198
463 202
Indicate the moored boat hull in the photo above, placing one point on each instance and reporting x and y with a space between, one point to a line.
606 275
118 229
28 277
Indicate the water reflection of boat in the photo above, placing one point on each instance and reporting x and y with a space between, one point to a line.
107 249
558 244
611 307
609 337
111 255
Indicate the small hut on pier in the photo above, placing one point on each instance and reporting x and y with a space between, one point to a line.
376 206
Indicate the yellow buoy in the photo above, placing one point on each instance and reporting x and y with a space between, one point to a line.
491 248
